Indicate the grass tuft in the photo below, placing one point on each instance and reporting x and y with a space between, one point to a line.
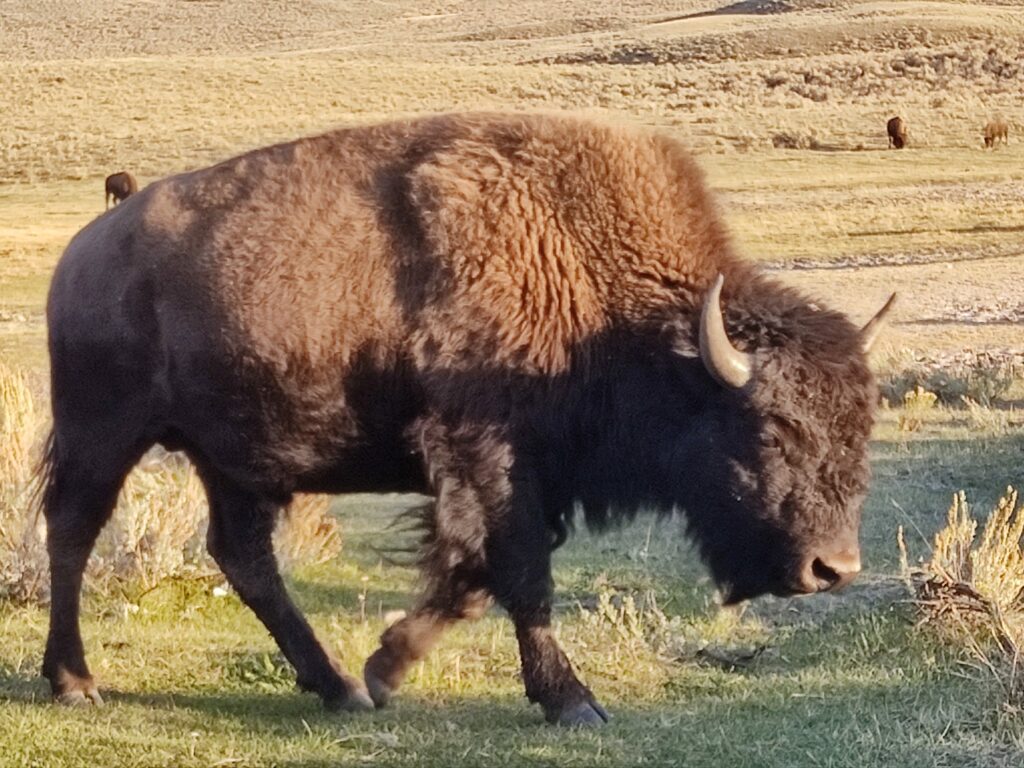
972 591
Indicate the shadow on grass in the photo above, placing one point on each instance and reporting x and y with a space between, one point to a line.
869 681
18 686
914 482
767 723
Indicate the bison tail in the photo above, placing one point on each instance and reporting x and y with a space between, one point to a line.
45 485
419 521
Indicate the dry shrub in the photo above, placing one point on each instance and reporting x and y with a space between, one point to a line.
986 419
916 404
787 140
307 532
22 552
634 625
993 566
982 378
158 529
972 590
19 426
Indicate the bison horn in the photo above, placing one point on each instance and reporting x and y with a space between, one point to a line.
726 364
873 328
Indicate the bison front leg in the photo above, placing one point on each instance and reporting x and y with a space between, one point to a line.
488 536
239 539
520 579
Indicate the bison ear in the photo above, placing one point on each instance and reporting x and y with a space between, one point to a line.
726 364
873 328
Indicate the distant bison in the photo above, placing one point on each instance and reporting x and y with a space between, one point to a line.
522 315
897 130
119 186
994 131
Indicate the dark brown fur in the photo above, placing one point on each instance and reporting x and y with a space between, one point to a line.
500 310
897 130
119 186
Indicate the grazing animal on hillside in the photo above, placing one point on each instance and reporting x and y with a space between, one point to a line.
897 130
995 130
119 186
522 315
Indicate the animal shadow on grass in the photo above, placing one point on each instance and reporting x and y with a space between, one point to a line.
20 686
450 731
290 712
923 475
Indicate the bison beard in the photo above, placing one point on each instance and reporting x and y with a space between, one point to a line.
523 315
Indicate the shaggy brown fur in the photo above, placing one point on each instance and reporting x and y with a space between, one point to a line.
500 310
119 186
994 131
897 130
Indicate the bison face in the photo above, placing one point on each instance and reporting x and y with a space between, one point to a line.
782 448
781 512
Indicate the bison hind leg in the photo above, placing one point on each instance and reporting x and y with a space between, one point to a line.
81 477
239 539
410 639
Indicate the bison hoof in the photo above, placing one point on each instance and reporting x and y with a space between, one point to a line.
380 691
77 697
585 714
70 690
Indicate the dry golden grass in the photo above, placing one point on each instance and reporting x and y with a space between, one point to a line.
827 74
85 97
307 533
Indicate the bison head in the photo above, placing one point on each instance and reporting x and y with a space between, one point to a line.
781 448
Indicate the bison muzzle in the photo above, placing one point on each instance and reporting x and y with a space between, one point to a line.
525 316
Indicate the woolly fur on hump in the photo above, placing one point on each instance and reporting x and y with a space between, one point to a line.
553 228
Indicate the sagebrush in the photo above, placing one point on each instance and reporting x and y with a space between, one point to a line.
982 379
972 590
158 529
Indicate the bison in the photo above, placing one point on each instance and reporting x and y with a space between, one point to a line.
995 130
119 186
521 315
897 130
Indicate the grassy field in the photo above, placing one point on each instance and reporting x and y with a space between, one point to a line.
839 681
785 104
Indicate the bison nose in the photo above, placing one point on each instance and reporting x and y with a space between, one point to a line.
824 573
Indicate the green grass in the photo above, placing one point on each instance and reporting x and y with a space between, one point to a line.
193 679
